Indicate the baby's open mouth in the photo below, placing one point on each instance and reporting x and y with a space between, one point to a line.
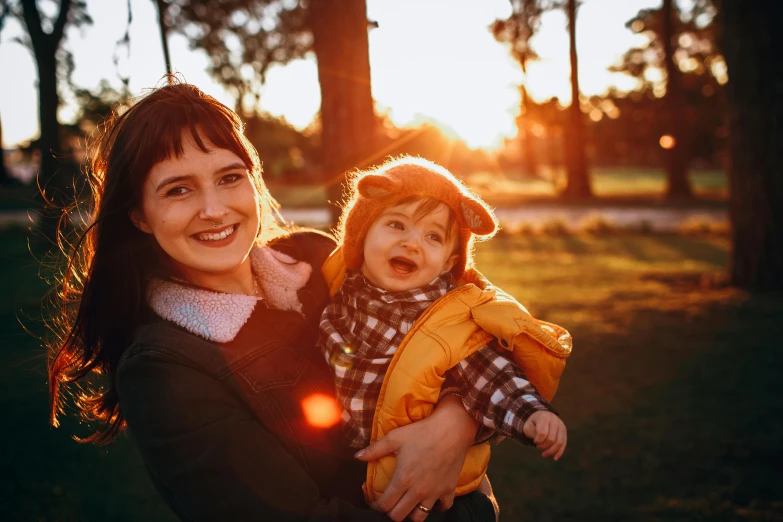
402 265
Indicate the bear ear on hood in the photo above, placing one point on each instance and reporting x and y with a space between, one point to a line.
374 186
477 217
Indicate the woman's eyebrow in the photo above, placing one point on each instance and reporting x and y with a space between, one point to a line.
233 166
221 170
172 179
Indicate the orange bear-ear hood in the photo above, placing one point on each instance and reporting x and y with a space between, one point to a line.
374 190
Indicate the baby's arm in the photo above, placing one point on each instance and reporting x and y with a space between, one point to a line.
498 395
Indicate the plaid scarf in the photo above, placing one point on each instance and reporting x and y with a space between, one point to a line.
361 330
363 327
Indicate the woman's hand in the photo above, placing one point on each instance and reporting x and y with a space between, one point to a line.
430 454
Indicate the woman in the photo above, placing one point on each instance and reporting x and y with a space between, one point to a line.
201 314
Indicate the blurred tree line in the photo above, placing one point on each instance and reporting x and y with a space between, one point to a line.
675 119
681 115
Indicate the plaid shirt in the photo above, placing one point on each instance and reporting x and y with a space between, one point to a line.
361 330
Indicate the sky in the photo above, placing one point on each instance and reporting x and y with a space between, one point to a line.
430 60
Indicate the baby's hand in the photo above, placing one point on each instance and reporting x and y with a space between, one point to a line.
548 432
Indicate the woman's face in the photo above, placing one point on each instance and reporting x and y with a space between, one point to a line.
202 210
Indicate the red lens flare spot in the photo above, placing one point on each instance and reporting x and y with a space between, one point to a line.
667 142
321 410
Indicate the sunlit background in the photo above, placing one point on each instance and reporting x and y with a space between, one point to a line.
613 217
432 60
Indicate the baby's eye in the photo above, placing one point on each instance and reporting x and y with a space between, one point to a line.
435 237
396 224
177 191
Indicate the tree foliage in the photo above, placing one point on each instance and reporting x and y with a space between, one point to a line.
681 64
243 38
696 51
516 32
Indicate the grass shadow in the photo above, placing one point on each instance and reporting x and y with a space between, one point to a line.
678 420
696 249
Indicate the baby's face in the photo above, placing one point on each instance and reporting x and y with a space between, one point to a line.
403 253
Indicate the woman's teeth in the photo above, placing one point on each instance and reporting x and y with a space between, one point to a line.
216 237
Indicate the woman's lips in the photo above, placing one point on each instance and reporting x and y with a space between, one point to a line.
218 238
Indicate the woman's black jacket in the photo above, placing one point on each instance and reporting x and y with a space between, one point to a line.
221 428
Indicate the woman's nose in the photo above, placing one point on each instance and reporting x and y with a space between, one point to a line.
212 207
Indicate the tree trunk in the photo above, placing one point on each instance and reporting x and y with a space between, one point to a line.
348 123
675 158
164 35
53 179
529 159
578 181
752 46
5 175
49 141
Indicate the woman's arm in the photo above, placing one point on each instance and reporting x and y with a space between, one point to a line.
430 454
208 456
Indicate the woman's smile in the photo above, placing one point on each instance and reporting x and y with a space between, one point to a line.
216 238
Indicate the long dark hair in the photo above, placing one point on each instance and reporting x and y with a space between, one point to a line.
101 295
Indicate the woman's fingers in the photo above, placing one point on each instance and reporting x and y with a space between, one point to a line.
446 501
391 496
408 506
430 454
419 514
378 449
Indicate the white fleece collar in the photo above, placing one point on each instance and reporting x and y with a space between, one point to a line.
218 317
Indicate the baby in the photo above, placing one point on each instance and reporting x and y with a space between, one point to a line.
410 321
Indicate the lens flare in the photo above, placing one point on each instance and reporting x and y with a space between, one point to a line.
321 410
667 142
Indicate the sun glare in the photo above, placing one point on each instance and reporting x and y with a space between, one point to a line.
321 410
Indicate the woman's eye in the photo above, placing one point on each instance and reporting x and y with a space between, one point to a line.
231 178
177 191
396 224
435 237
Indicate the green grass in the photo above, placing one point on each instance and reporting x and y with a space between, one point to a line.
672 395
609 183
50 476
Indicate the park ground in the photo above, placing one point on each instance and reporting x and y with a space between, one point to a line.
671 396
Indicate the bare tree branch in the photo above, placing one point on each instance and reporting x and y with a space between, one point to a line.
5 10
59 25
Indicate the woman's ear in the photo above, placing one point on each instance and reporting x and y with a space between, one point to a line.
478 218
137 218
374 186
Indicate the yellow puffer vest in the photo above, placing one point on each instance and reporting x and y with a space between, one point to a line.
452 328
